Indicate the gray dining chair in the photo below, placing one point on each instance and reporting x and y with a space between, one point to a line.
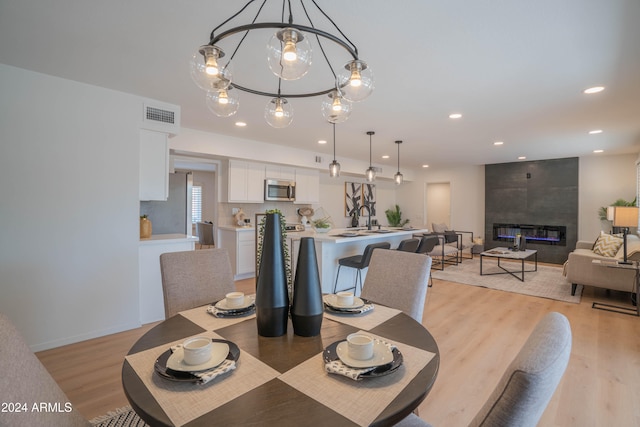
526 387
205 234
398 279
194 278
25 379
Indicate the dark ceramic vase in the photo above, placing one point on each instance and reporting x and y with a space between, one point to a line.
272 296
307 306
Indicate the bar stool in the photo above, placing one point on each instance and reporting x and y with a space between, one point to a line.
427 243
358 262
408 245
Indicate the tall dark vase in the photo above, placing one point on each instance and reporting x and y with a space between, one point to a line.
272 296
307 306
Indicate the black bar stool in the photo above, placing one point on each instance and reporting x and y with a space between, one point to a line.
427 243
408 245
358 262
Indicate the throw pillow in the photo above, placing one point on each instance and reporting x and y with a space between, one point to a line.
607 245
450 236
439 228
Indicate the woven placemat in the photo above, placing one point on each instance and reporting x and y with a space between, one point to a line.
368 320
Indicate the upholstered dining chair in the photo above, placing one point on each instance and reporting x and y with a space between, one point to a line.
359 262
194 278
25 379
205 234
526 387
398 279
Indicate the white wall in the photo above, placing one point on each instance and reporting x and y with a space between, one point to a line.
69 227
603 180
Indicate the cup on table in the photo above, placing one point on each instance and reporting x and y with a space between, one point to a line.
235 299
197 350
344 298
360 346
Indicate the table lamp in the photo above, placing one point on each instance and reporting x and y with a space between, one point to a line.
625 217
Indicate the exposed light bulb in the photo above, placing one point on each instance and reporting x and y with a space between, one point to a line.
223 97
211 55
356 78
289 52
279 112
336 105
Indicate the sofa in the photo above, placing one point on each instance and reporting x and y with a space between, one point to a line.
580 269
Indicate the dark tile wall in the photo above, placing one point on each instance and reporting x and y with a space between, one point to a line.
543 192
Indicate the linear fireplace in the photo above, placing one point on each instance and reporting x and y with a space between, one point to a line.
536 234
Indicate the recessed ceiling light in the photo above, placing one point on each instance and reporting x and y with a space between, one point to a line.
386 156
455 115
498 143
598 151
322 141
522 157
241 124
425 166
595 131
595 89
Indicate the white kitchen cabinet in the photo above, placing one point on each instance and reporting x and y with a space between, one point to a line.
307 186
240 244
280 172
154 165
245 182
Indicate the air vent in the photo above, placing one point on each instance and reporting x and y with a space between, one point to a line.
161 117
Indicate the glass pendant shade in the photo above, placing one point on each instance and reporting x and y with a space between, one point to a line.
224 102
334 169
207 72
278 113
370 174
355 81
336 109
398 178
289 54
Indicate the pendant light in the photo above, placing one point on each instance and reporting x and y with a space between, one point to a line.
224 102
398 178
334 167
370 174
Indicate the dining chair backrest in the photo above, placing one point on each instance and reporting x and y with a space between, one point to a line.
194 278
26 380
399 280
427 243
408 245
205 233
529 382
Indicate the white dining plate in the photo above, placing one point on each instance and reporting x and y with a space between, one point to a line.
332 300
382 355
248 302
219 352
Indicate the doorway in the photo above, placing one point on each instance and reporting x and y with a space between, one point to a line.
438 203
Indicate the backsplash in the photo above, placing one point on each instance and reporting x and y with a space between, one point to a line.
289 210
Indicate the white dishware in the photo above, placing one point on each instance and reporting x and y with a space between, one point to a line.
360 346
219 352
332 301
382 355
247 302
345 299
197 350
235 299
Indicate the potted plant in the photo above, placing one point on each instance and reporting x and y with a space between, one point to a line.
322 225
394 217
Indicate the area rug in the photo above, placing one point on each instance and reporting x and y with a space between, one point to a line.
547 282
121 417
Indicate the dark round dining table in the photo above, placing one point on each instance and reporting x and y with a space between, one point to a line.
275 403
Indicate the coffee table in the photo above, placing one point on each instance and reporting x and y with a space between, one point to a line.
506 253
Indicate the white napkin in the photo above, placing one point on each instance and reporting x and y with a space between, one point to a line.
210 374
338 367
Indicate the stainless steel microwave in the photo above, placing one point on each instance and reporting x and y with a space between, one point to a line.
277 190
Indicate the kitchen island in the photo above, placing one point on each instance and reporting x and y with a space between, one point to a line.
332 246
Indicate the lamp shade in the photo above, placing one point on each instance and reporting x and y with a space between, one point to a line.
625 216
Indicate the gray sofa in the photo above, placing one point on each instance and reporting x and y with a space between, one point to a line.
580 269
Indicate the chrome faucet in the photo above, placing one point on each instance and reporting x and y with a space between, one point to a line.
369 216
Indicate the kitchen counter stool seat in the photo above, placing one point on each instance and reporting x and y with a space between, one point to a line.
358 262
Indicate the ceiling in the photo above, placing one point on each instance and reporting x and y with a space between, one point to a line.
514 69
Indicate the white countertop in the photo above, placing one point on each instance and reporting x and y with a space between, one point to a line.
168 238
333 236
235 228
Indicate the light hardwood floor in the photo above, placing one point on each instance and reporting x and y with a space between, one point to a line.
478 331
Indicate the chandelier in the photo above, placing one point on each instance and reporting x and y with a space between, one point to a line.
289 56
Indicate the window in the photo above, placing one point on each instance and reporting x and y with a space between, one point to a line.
196 204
